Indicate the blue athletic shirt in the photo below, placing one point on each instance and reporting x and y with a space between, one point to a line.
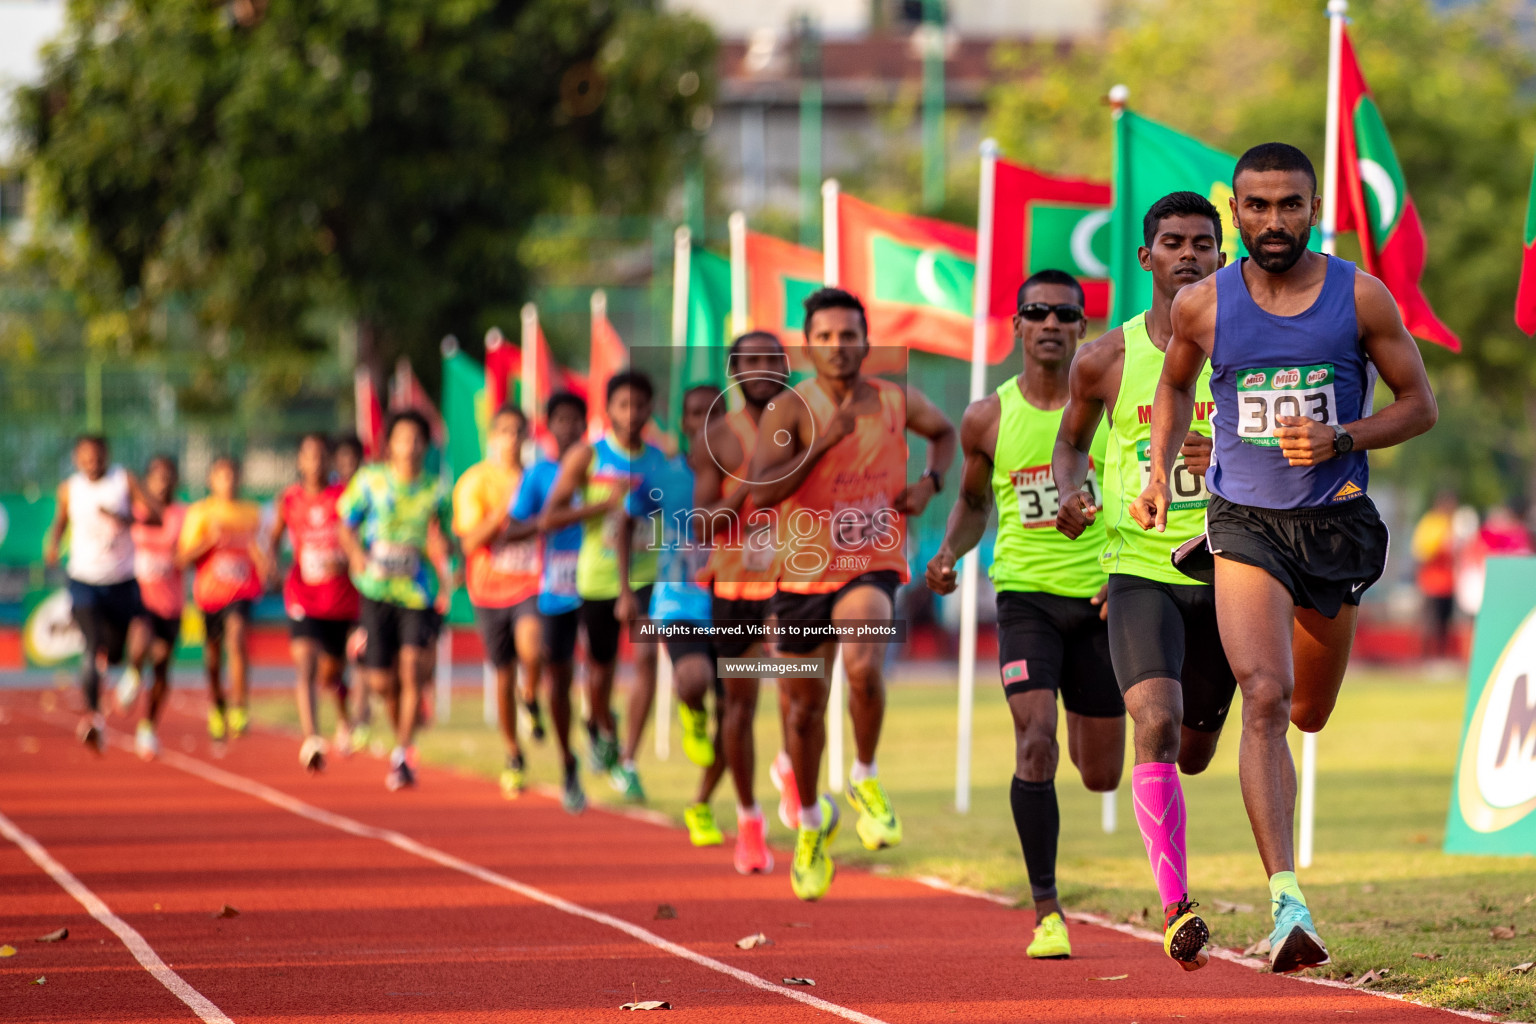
1264 366
557 594
666 491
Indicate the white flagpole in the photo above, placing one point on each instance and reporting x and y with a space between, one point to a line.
970 566
837 696
488 693
830 274
443 684
739 312
682 258
530 368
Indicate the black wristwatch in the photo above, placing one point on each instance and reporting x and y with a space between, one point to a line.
938 479
1343 441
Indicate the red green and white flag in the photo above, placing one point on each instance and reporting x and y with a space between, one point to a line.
609 355
1040 221
370 412
1525 299
779 276
917 277
1375 204
406 392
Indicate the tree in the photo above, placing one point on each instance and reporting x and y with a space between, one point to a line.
1449 85
281 160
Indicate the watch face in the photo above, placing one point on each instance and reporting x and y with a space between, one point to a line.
1343 443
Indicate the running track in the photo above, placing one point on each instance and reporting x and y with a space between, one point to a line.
448 903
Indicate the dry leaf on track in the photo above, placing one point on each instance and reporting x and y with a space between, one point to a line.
1370 977
226 911
666 912
1503 932
41 981
753 941
1223 907
1139 917
1112 977
1260 948
649 1004
1429 956
798 981
54 936
7 950
1524 968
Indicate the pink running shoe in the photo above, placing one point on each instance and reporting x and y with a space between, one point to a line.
752 853
782 775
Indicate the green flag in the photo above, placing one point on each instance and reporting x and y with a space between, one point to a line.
464 411
709 326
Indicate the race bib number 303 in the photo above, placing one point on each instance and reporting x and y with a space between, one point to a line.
1264 395
1188 487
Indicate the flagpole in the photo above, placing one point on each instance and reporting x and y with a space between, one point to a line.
836 698
682 269
737 225
530 368
970 566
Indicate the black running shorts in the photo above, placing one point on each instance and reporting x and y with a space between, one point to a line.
603 626
1326 556
215 622
167 630
498 629
330 635
389 627
1050 642
728 610
1168 631
103 613
560 632
817 608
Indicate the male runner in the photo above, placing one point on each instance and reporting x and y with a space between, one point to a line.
834 462
162 590
1050 631
559 604
321 602
743 574
346 459
219 539
96 505
1167 657
602 475
386 512
502 574
1288 334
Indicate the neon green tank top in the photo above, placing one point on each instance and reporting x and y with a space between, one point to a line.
1030 554
1130 549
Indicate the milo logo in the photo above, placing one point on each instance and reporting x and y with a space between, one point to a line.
1317 376
1287 378
1255 380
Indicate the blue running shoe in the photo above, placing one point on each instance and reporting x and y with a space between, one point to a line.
1294 945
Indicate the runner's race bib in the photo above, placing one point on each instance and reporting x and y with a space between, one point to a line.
230 567
151 565
1039 500
560 572
397 560
520 558
318 565
1263 395
1187 486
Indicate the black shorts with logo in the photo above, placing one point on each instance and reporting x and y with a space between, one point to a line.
1050 642
1168 631
214 623
727 609
603 626
1326 556
103 612
329 634
817 608
389 627
498 629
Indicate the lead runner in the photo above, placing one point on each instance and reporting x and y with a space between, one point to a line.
1296 540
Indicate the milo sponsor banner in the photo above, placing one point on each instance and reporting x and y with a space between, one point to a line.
1266 394
1493 799
51 639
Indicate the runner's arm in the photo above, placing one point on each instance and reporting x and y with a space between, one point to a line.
484 532
626 608
1306 442
562 510
269 544
1173 407
783 474
58 526
1080 418
925 420
138 495
708 480
198 537
973 505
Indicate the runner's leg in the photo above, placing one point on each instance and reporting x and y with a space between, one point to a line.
641 697
738 746
1320 650
239 660
154 700
411 680
306 655
863 663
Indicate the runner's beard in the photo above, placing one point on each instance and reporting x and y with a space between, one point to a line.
1277 262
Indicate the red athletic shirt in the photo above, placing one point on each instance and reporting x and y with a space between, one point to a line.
318 586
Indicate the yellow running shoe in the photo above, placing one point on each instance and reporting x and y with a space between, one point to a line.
239 720
513 782
696 742
702 830
1185 935
810 873
877 825
216 728
1051 942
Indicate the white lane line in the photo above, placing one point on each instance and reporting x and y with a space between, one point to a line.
400 841
141 950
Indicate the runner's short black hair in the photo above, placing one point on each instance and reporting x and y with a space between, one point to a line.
510 408
351 442
407 416
630 379
834 298
561 399
168 461
1051 276
742 339
316 435
705 386
1275 156
99 440
1179 204
224 459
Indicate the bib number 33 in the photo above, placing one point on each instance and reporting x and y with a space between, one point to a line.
1264 395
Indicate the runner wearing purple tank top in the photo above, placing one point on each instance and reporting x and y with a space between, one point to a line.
1296 539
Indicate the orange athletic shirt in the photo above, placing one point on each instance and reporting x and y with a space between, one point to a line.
842 522
746 570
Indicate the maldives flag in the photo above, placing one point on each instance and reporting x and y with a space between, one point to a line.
917 277
609 356
464 408
1374 203
406 392
779 276
502 364
370 412
1039 222
1525 299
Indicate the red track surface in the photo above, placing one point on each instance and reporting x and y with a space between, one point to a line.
338 926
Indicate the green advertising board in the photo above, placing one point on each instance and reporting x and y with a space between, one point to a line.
1493 800
50 638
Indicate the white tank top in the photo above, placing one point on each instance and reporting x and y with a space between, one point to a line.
100 546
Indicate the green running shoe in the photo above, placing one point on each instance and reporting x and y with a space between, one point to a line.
878 825
1294 944
1050 942
626 780
810 873
702 830
572 797
696 742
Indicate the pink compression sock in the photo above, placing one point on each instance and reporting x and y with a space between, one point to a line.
1159 801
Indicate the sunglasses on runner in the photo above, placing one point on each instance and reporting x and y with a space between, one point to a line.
1036 312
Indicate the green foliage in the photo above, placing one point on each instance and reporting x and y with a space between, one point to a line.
382 158
1451 87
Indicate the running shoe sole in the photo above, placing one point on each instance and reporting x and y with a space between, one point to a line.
1298 951
1186 945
